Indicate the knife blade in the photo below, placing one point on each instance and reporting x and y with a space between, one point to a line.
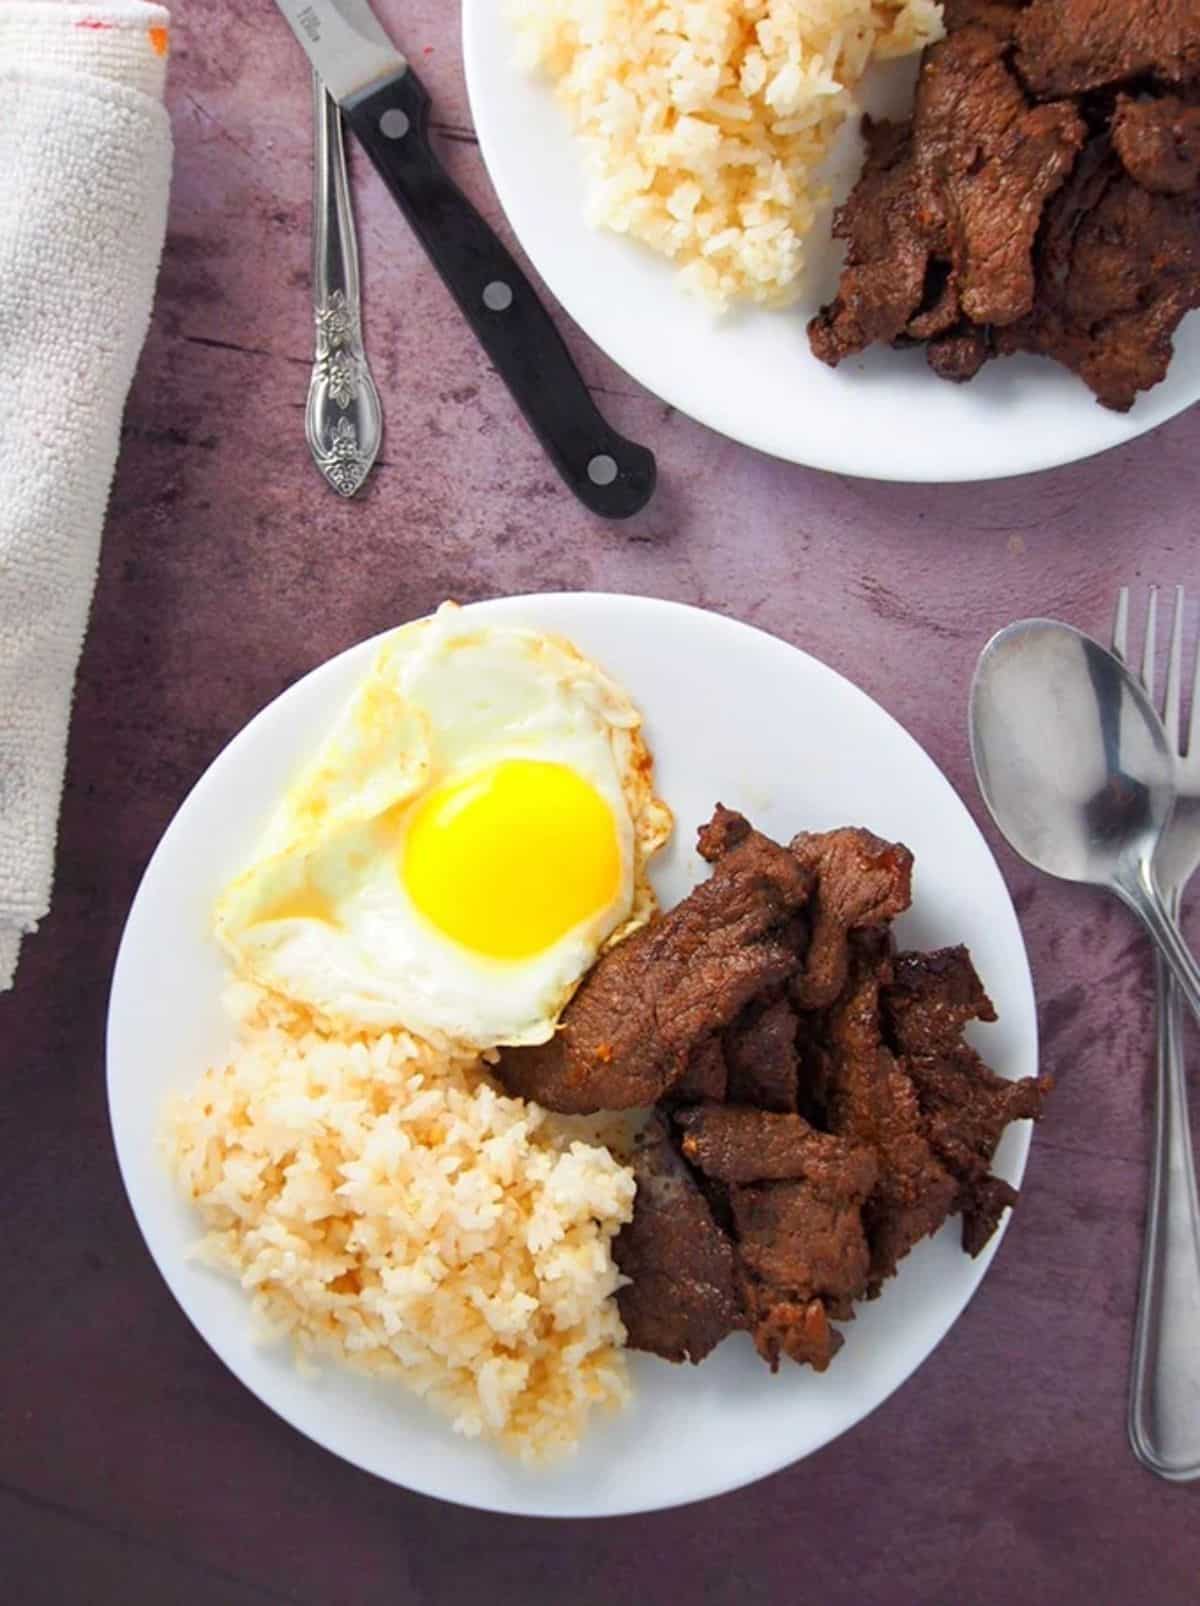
387 109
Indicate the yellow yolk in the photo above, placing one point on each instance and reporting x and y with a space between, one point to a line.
513 857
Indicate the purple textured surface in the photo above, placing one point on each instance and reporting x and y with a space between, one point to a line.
132 1466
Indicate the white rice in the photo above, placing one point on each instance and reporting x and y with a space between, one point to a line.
384 1203
705 121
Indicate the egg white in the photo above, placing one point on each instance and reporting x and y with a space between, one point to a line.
322 915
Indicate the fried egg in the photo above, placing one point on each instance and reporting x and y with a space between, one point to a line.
474 831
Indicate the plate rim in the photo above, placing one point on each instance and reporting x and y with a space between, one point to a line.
1021 1134
1042 458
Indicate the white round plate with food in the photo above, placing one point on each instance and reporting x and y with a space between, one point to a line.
731 715
750 374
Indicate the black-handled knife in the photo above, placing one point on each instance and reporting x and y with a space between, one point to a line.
385 105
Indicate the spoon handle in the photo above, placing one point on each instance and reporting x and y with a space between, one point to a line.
1164 1395
343 420
1141 892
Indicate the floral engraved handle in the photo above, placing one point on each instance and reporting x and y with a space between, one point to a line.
343 420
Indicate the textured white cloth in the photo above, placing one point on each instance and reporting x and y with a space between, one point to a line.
85 162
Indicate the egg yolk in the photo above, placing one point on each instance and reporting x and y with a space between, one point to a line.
511 858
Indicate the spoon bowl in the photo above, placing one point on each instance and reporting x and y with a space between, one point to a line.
1075 768
1071 756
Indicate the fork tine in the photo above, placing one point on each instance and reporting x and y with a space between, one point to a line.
1120 635
1171 706
1150 649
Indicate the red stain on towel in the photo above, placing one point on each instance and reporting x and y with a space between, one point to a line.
90 22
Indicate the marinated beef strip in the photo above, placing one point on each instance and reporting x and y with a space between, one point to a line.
821 1111
733 1144
888 247
960 353
1119 267
931 997
941 225
760 1052
870 1100
682 1297
706 1075
982 1205
1068 47
988 162
1158 142
861 882
626 1037
964 1106
1044 198
999 16
804 1260
795 1197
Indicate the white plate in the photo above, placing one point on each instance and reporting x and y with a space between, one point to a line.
752 376
731 714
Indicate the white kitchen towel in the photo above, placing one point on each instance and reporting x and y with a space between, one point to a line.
85 164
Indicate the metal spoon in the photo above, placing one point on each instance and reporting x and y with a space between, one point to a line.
343 420
1073 763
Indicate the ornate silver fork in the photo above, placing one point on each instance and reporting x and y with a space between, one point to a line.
1164 1395
343 420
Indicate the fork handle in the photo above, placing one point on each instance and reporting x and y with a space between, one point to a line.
1138 886
1164 1397
343 420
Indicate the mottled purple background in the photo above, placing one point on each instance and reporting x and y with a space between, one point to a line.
133 1468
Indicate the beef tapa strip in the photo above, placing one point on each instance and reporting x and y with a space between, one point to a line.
1068 47
796 1198
941 225
706 1075
1043 198
931 997
861 881
760 1052
870 1100
1158 141
628 1034
803 1259
682 1299
733 1143
965 1107
1119 268
770 995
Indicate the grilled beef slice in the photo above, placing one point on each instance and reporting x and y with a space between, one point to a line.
804 1260
760 1050
706 1075
1069 47
733 1143
931 997
871 1101
1118 268
748 1215
941 225
1158 142
964 1106
861 881
682 1299
796 1198
626 1037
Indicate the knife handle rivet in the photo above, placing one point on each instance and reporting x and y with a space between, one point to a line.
394 123
497 296
602 470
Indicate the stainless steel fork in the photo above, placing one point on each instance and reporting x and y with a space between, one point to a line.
1164 1394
